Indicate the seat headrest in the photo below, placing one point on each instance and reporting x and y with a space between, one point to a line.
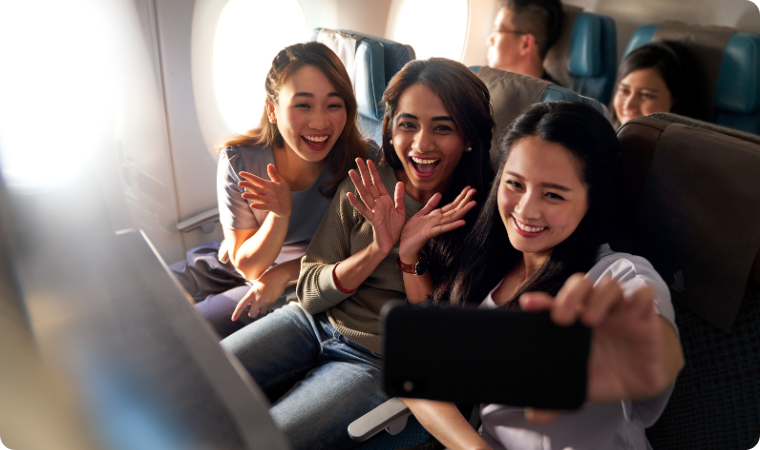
691 203
585 46
511 93
375 61
738 85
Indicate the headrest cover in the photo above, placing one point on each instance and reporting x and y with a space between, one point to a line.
365 66
585 46
510 93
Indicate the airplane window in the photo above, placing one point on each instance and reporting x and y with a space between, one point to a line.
432 27
248 35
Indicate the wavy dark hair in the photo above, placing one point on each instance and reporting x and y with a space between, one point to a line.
674 64
488 255
350 144
468 102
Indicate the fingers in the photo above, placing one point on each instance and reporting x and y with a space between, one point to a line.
536 302
445 228
641 302
377 182
243 303
602 298
361 188
398 197
431 204
465 196
541 416
570 300
251 179
367 181
273 175
363 210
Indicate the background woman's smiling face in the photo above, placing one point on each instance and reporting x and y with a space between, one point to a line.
542 197
427 142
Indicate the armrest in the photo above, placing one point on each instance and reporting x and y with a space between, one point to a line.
391 416
205 221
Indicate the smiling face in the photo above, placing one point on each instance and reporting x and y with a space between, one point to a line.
427 142
640 93
309 113
541 196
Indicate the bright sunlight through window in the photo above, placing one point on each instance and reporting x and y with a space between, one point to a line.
248 36
56 86
431 27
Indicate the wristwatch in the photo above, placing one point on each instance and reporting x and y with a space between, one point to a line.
417 268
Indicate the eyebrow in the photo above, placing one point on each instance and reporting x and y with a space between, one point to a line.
643 89
412 116
310 95
558 187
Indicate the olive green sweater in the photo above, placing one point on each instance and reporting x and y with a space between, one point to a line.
342 233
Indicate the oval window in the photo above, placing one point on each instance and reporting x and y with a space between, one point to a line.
248 36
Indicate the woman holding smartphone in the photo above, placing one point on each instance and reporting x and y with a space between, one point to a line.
539 245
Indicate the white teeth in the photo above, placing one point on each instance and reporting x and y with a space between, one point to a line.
316 139
424 161
527 228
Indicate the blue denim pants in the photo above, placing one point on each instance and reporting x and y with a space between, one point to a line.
341 380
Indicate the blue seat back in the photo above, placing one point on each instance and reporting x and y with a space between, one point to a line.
591 56
376 60
737 93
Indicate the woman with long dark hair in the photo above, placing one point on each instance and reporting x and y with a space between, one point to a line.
543 226
275 183
383 236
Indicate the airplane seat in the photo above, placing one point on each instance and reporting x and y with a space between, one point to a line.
512 92
729 69
371 62
584 57
690 204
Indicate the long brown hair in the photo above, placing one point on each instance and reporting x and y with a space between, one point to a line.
350 144
467 100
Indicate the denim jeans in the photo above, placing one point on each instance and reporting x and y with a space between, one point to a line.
342 380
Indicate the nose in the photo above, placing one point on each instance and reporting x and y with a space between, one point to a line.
632 104
490 40
318 120
529 206
423 141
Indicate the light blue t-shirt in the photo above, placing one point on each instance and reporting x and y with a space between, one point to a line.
617 425
235 213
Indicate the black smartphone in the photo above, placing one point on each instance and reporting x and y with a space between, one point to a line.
485 356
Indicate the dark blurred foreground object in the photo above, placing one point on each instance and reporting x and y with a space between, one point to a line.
118 334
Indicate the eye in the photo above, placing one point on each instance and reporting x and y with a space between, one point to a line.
302 105
648 96
443 128
335 106
514 184
406 125
554 196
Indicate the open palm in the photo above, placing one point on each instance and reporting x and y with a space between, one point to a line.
386 216
430 222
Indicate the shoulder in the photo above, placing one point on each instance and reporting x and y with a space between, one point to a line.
247 158
632 272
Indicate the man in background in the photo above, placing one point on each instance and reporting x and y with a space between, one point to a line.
523 32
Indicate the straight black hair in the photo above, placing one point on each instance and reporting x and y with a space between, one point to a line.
488 254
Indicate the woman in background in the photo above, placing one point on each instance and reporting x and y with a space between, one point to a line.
654 78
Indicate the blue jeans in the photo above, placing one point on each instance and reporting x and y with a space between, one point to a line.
342 381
